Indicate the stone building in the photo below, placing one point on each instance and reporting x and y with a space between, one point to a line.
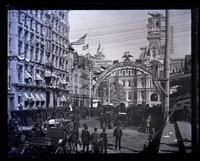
39 59
81 81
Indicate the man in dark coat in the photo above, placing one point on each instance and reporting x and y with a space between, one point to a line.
104 141
117 134
85 136
94 139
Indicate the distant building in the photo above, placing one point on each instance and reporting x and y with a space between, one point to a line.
39 59
137 86
99 59
81 81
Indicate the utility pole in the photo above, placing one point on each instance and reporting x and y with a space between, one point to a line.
90 88
109 90
166 71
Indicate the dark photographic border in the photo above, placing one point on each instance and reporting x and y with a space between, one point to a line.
99 5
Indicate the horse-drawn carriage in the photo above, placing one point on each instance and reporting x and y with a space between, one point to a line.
57 135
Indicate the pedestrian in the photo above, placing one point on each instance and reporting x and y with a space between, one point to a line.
148 123
85 136
74 140
118 135
101 119
94 138
104 141
150 138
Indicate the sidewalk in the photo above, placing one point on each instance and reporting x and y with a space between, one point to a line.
185 130
168 143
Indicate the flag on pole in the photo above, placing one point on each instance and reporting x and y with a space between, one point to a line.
98 50
86 46
80 41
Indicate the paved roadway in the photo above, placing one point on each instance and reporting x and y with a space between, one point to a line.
132 140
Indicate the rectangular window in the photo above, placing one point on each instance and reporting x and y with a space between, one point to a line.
135 83
41 15
142 95
19 48
26 50
31 53
20 33
38 28
25 21
20 73
26 36
20 18
41 56
19 99
129 83
129 95
56 61
124 83
36 54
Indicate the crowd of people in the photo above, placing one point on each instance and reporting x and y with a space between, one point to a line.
85 142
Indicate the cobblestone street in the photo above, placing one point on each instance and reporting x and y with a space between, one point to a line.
132 140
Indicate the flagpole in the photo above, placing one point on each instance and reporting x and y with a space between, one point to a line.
88 41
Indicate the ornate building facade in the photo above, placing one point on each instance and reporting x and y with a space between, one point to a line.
39 59
138 86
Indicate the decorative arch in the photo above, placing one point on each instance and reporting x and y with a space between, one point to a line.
120 66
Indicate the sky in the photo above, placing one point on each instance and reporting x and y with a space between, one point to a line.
122 30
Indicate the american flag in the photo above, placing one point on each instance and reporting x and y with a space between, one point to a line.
80 41
86 47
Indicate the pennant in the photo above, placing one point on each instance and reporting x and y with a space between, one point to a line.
86 47
80 41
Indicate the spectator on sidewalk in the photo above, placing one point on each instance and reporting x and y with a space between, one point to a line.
94 139
118 135
85 136
104 141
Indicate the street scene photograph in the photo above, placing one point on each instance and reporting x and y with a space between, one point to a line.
99 82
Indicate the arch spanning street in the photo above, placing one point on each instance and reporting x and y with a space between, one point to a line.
126 65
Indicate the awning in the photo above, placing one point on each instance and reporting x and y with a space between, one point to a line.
50 74
64 82
47 74
38 97
54 75
63 98
27 75
42 97
60 81
38 77
26 96
33 97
